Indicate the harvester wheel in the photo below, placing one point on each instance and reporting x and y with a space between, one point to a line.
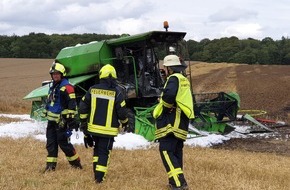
131 122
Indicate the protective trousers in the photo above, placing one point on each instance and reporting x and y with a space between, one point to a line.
171 151
102 150
56 136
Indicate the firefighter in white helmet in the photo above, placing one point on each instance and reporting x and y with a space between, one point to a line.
60 112
101 110
172 115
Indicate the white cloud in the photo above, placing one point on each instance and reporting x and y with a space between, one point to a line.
243 30
232 14
5 26
202 19
123 26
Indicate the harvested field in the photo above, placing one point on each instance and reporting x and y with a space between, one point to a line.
245 162
261 87
17 78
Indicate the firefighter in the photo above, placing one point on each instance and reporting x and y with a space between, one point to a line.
101 109
60 112
172 114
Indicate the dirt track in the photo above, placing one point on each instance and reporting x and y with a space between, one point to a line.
260 88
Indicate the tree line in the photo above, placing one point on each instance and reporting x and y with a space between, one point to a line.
40 45
231 50
234 50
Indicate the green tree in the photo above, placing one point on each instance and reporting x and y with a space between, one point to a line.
284 49
248 55
5 48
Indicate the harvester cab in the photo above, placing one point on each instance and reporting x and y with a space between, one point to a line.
136 60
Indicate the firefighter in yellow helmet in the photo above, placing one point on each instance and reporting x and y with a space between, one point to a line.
101 110
60 112
172 115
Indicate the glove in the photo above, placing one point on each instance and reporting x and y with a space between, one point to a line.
88 140
83 126
43 113
61 123
125 127
68 133
72 123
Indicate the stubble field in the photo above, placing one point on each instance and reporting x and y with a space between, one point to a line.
253 164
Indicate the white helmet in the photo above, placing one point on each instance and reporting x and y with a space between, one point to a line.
174 63
172 49
171 60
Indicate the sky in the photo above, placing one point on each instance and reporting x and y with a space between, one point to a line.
27 127
200 19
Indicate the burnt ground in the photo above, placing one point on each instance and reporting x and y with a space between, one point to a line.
261 87
276 143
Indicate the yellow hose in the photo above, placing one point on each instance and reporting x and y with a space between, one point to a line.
252 112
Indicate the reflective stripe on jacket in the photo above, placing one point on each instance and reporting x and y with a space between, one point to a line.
172 115
61 101
184 96
102 107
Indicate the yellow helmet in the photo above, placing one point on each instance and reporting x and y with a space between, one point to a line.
57 67
108 71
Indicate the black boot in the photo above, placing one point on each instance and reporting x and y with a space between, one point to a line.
182 187
98 179
76 164
50 166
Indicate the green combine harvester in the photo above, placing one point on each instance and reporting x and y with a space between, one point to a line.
136 60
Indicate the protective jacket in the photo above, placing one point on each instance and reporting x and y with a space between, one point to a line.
61 101
61 106
175 108
102 108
